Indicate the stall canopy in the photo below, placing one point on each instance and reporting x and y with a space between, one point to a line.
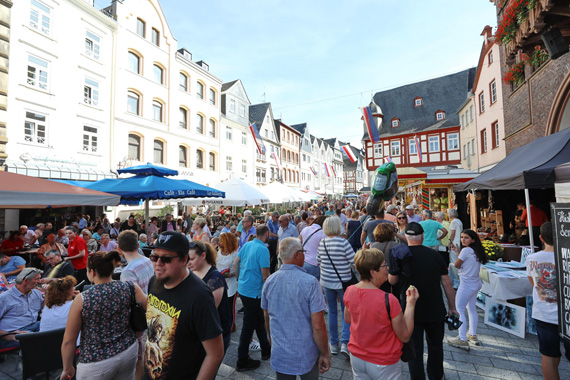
20 191
238 193
528 167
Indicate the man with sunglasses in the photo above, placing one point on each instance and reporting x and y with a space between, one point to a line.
19 307
184 338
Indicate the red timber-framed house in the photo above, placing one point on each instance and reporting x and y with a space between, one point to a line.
424 112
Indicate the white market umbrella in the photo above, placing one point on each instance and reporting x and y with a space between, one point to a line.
238 194
279 193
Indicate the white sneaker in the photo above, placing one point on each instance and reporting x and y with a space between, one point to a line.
254 346
334 349
473 339
344 350
456 342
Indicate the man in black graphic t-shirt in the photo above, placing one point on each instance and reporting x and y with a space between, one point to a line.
184 336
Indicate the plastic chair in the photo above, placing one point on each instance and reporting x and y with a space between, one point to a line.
41 352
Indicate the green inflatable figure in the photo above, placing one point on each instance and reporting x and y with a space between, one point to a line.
384 188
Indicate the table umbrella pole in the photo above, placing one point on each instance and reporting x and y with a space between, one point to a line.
146 214
529 219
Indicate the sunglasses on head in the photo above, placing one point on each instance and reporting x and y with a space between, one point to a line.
165 259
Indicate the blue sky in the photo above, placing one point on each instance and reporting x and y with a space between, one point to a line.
319 61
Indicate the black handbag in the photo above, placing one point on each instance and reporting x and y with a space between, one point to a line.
138 315
345 284
408 349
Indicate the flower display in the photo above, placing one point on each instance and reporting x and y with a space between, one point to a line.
514 15
538 57
515 74
492 249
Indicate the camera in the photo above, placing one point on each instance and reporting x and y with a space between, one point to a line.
453 322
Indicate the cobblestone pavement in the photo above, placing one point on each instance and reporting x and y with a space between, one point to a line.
501 356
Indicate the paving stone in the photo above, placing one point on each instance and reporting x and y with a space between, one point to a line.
451 375
522 358
247 375
470 376
514 366
499 373
459 366
333 373
474 359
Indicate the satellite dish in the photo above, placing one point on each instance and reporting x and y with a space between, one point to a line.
25 157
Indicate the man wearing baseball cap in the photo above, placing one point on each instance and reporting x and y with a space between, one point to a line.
184 337
412 217
428 272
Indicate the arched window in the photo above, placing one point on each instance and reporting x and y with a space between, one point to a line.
199 159
288 156
157 111
183 85
200 124
158 152
134 147
158 73
183 123
182 156
212 128
212 161
284 154
133 103
134 63
212 98
141 27
200 90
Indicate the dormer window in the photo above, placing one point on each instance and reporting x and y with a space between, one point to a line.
418 101
395 122
440 115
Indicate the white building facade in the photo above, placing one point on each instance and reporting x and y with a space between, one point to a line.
290 139
266 166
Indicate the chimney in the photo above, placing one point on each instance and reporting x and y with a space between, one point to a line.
487 34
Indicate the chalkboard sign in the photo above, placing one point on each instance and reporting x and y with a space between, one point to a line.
561 232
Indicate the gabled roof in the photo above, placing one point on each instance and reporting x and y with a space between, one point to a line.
257 112
348 165
330 141
227 86
445 93
300 128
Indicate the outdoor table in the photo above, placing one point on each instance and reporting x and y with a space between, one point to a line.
27 251
506 284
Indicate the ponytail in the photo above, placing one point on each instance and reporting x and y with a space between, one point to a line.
103 263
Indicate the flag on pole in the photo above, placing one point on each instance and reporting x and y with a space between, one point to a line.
276 161
346 149
334 171
327 169
314 171
257 138
418 148
388 159
370 124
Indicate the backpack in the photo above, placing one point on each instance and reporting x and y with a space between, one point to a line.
400 262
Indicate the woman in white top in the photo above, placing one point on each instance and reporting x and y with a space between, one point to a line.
311 237
469 264
59 297
228 249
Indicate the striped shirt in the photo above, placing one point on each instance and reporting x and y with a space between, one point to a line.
139 271
342 255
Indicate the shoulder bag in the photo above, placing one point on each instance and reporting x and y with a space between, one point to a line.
309 238
408 349
345 284
137 319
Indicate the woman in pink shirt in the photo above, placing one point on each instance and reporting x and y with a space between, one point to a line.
376 339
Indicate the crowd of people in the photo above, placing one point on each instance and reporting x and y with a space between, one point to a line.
381 275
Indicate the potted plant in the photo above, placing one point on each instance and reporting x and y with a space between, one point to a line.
493 250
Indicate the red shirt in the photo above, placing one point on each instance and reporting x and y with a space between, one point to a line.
75 246
372 338
538 216
12 244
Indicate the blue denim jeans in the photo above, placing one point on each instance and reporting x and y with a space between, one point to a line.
331 296
32 327
313 270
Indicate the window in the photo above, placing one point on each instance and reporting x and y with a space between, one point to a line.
244 138
266 133
92 45
200 90
158 73
155 37
272 135
212 98
141 26
199 159
200 124
472 146
466 149
35 128
395 148
440 115
228 133
89 139
484 141
134 63
395 122
40 17
182 156
434 143
91 92
232 106
493 89
157 114
158 152
229 165
183 123
470 114
413 147
462 121
183 85
133 103
244 166
481 102
418 102
135 147
453 141
212 161
378 150
490 57
242 110
495 132
37 73
212 128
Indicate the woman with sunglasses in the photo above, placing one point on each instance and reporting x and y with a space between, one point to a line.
59 296
376 337
228 248
402 223
109 346
203 264
92 246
